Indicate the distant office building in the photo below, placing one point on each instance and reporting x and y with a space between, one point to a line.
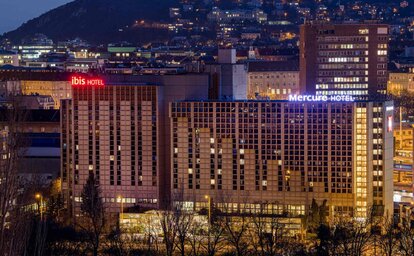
31 52
36 101
403 166
231 16
273 80
343 59
40 135
84 65
175 12
399 82
58 90
8 58
228 78
279 155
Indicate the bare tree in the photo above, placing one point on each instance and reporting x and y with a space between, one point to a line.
215 236
169 230
388 236
65 240
236 225
406 238
117 243
150 240
183 220
93 211
347 236
196 236
55 204
269 233
236 233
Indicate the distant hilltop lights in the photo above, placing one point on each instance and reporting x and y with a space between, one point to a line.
86 81
347 98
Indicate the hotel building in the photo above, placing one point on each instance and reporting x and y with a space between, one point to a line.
279 155
113 132
118 129
338 59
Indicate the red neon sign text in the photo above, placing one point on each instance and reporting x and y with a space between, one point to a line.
79 80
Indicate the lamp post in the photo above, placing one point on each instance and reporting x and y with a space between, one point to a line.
209 207
121 199
40 197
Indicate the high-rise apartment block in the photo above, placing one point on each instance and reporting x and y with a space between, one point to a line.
343 59
279 155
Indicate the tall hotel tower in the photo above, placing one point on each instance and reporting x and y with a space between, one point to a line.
339 59
112 131
120 132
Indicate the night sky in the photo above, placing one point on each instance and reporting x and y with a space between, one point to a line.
15 12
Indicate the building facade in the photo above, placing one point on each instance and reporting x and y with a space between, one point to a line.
403 164
338 59
9 58
58 90
399 82
272 80
283 154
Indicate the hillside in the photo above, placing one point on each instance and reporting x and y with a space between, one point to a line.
99 21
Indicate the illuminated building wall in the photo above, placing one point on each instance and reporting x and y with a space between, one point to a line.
398 82
403 164
58 90
338 59
272 80
9 58
283 154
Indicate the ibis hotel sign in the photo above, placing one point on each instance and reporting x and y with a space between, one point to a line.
86 81
311 98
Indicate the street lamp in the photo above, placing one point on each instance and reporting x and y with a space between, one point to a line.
121 199
209 207
40 197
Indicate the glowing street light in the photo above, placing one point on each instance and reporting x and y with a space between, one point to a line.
40 197
209 207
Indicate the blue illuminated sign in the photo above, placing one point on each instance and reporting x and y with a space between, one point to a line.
304 98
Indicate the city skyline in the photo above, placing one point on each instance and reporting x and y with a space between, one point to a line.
202 127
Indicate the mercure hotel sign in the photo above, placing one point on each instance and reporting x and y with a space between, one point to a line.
308 98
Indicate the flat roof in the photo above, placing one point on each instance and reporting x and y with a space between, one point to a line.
266 66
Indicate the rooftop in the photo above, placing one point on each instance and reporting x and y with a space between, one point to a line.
261 66
36 115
